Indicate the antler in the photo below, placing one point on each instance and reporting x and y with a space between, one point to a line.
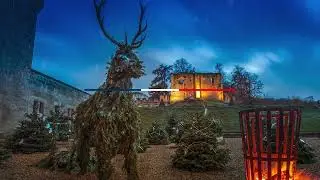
99 7
140 34
135 43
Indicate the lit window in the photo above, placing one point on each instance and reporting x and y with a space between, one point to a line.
212 80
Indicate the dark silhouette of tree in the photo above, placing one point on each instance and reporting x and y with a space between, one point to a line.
247 85
219 69
161 81
183 66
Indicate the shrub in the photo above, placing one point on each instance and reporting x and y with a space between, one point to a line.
60 124
306 153
64 161
198 149
174 129
30 136
157 135
142 144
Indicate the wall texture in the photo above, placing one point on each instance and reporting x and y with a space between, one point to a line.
197 81
20 86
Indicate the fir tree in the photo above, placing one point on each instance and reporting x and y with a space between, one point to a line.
198 149
60 123
174 129
306 153
31 135
160 81
157 135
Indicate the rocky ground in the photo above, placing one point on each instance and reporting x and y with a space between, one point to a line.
154 164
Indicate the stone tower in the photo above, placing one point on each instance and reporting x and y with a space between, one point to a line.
17 33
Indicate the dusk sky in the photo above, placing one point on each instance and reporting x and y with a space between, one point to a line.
277 39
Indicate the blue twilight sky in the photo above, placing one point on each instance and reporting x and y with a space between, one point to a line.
277 39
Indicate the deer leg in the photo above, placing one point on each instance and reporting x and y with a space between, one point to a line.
83 154
104 153
104 167
130 163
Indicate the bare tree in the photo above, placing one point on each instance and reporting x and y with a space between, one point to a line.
183 66
247 85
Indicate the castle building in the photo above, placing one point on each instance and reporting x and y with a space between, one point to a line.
21 87
196 81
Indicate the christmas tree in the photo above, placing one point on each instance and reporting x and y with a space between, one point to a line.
198 149
174 129
306 153
157 135
60 123
31 135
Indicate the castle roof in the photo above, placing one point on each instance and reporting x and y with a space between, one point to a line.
58 81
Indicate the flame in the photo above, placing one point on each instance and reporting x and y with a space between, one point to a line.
293 175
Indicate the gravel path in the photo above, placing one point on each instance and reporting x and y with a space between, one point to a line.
154 164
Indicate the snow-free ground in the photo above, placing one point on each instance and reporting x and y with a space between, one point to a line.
154 164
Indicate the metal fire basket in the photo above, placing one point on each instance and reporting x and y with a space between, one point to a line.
269 142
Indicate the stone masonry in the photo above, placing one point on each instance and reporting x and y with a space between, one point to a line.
21 86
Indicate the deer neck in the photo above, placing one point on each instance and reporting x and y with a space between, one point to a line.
118 81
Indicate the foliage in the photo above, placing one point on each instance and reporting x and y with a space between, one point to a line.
161 80
60 123
247 84
198 149
174 128
142 144
30 136
65 162
183 66
306 153
224 79
157 135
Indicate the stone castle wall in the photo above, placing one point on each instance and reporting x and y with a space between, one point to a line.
197 81
19 84
52 92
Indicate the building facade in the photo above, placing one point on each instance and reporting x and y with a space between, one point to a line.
196 81
22 87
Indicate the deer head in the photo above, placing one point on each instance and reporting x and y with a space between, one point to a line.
125 62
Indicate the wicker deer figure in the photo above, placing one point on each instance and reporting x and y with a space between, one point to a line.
108 120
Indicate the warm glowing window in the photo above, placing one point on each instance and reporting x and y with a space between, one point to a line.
212 80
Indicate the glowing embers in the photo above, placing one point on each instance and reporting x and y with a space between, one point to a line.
269 143
278 170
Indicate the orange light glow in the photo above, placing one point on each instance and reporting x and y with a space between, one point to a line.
284 171
198 93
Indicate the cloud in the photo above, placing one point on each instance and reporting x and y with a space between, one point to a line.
260 62
198 53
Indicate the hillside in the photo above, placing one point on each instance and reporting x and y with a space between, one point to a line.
228 114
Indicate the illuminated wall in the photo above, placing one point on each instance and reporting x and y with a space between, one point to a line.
197 80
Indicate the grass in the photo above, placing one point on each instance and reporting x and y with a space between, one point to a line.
228 114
